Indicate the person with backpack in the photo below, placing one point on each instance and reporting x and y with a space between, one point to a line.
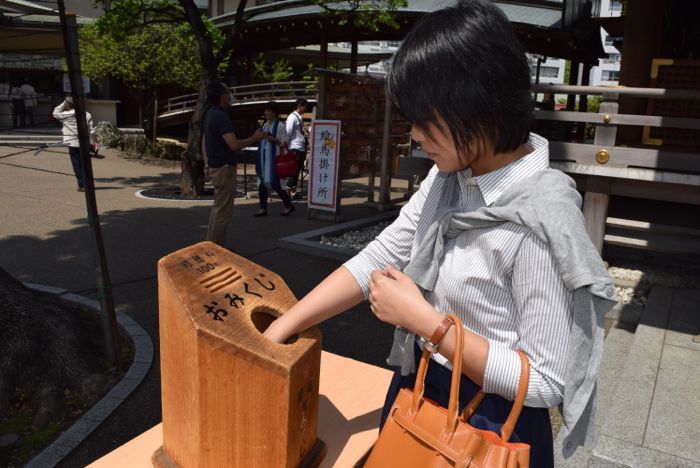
298 143
268 149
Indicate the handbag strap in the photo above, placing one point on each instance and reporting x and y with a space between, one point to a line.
453 406
523 384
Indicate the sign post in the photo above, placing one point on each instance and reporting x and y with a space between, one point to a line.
324 183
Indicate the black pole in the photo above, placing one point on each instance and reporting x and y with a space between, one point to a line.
104 287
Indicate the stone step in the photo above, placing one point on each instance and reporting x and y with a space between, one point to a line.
31 142
627 427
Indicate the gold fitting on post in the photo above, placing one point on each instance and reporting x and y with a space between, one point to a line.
602 156
607 118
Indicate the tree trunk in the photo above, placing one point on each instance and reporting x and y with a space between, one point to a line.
148 121
192 179
47 346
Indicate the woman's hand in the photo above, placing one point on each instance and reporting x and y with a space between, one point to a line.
394 298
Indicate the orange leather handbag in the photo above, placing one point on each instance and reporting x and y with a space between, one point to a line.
419 433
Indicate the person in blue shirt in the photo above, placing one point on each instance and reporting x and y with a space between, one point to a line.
219 146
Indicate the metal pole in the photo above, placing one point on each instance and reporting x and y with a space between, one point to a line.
537 76
109 320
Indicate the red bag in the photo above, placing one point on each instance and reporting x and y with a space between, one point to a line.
286 164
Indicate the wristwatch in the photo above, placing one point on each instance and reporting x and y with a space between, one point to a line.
433 343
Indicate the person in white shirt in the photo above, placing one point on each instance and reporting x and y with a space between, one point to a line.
297 142
488 237
65 113
29 96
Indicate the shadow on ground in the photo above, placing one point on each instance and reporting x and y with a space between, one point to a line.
134 241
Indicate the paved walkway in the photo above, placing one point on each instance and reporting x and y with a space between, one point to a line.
44 239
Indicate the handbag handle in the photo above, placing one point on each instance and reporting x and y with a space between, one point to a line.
523 384
453 406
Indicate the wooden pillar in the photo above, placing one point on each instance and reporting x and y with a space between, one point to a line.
353 57
583 103
249 63
597 196
374 146
643 41
385 176
324 51
573 80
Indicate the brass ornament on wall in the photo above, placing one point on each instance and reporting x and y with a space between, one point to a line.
602 156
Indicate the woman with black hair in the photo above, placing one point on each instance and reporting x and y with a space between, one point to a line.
268 150
493 235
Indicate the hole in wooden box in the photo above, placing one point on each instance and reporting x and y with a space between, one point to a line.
263 318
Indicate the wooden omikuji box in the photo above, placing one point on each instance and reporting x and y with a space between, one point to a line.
230 396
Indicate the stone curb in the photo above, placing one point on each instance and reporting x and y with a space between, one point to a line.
88 422
307 242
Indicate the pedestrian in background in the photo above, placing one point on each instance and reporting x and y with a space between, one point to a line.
298 143
29 96
219 146
17 103
268 150
65 113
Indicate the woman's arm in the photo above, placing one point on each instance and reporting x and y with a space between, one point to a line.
396 299
544 317
334 295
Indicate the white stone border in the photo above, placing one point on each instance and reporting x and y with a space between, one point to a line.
139 194
88 422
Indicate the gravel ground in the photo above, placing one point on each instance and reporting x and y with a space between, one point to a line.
634 271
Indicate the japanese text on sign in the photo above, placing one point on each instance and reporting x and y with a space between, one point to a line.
324 163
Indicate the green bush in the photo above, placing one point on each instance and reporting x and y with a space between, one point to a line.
108 135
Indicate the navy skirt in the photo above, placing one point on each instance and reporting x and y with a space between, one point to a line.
533 427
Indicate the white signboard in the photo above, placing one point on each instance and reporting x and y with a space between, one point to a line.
66 84
323 166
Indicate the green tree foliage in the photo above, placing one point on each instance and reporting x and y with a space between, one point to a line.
281 70
366 14
145 45
157 54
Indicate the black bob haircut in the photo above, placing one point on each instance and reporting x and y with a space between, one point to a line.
272 106
465 65
216 89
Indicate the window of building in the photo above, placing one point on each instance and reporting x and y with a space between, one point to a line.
610 75
549 72
612 58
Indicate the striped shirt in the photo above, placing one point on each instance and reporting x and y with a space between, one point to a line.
501 281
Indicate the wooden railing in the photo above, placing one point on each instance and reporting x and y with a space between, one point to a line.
608 119
247 94
650 171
